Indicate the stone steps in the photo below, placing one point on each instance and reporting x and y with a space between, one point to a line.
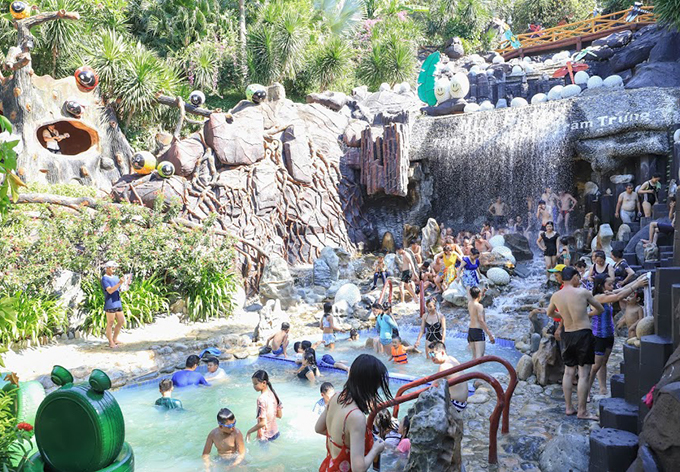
616 386
659 210
612 450
616 413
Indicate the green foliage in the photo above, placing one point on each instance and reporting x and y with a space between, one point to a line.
7 424
35 316
668 11
208 293
549 12
9 188
612 6
332 61
343 17
65 190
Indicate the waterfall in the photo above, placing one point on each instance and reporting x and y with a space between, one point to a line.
513 153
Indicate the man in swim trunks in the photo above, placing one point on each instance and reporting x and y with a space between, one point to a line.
407 270
458 392
497 211
649 192
627 204
477 326
543 214
550 200
566 204
279 340
578 343
189 376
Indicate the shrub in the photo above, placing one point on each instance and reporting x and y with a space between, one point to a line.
35 316
668 11
549 12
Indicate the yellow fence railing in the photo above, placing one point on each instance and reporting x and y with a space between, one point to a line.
588 29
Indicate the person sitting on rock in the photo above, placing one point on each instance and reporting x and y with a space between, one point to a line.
379 271
166 401
656 227
279 340
417 251
633 312
407 270
189 376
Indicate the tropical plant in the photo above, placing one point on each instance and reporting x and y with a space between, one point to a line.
8 165
549 12
16 446
35 316
342 17
202 61
107 53
7 424
208 294
58 38
332 61
668 11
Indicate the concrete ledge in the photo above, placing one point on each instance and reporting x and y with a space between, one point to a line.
612 450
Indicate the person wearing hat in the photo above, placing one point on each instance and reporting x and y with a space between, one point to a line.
557 327
113 307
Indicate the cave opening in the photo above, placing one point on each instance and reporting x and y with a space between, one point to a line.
74 137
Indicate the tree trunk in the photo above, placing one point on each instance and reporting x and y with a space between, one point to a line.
243 59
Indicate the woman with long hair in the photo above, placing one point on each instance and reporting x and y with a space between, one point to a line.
269 407
349 445
433 326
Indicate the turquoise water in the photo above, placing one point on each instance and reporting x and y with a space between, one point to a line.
174 440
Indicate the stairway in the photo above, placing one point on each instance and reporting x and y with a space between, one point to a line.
614 447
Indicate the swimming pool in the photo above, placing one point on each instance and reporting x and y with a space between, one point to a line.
175 439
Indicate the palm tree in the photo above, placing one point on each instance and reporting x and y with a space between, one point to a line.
243 47
332 61
341 16
59 37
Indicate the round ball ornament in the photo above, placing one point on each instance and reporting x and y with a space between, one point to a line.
73 108
86 78
19 10
143 162
256 93
166 169
197 98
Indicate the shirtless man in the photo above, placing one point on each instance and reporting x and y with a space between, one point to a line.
481 244
543 214
407 271
578 343
550 200
458 392
627 204
477 326
226 438
648 192
566 204
487 231
417 251
279 340
498 210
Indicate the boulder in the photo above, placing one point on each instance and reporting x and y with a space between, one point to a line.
271 317
602 53
566 452
498 276
184 154
321 273
455 294
66 288
277 283
621 178
661 428
645 327
436 432
350 293
539 320
352 135
623 234
296 154
605 236
333 100
236 140
149 188
506 252
548 367
391 264
342 308
668 49
431 238
615 40
630 56
519 245
497 240
613 81
655 74
525 367
330 256
387 244
455 50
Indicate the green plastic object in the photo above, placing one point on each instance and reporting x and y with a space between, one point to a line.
80 428
125 462
29 397
426 79
61 376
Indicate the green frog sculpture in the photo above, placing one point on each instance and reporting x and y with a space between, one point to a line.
80 428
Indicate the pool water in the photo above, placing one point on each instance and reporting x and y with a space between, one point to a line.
175 439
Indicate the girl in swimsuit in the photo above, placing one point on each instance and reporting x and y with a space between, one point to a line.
269 407
309 370
470 270
327 326
433 326
548 241
349 444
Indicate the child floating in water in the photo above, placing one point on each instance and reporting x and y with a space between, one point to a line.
166 401
398 352
215 372
327 392
226 438
279 340
633 313
269 407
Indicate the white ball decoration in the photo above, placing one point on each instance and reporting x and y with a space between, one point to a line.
548 63
517 70
498 276
676 136
486 105
613 81
595 82
497 241
385 87
529 69
518 102
539 98
441 90
471 108
498 60
581 77
502 103
527 60
571 90
459 86
405 88
506 252
555 93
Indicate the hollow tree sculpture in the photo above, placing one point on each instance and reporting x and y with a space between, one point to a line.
93 150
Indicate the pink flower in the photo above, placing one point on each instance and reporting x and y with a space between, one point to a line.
402 15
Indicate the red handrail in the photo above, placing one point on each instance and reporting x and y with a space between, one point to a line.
466 365
382 293
493 419
422 298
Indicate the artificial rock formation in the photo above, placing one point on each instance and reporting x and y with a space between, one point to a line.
95 152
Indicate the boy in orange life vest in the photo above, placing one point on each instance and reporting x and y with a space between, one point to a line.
398 352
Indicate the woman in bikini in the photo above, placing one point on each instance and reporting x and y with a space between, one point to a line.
349 444
548 241
433 326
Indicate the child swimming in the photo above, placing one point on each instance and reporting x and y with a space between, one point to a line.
279 340
309 370
227 439
215 372
398 353
269 407
327 392
166 401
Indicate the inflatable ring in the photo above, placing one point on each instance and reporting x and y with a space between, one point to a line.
29 395
125 462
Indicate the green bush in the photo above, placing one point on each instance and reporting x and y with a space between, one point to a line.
549 12
34 316
668 11
7 424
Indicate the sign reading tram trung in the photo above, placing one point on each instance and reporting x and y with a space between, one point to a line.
609 120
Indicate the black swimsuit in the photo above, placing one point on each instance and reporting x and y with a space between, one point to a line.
433 332
302 375
550 244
